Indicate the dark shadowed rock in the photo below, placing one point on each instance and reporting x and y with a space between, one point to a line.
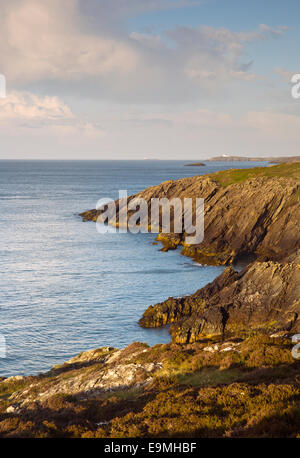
264 296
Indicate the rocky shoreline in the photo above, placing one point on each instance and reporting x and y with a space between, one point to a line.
247 212
228 370
253 213
213 388
264 296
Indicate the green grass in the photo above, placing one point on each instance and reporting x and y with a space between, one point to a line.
125 394
8 388
228 177
211 377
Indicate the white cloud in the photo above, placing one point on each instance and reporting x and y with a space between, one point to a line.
151 41
198 134
243 75
43 40
275 125
285 74
53 44
200 117
24 106
274 31
23 110
212 53
180 92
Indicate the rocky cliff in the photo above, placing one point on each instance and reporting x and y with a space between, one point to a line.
252 211
229 370
264 296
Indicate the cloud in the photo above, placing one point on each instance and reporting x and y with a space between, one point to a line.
200 117
274 124
134 132
274 31
23 110
211 132
52 40
82 48
151 41
185 91
29 107
285 74
212 53
44 40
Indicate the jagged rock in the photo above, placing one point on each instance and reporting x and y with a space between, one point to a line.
279 335
246 212
265 295
14 378
92 355
13 409
174 309
211 349
90 373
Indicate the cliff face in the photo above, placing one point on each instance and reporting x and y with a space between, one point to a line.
264 296
246 386
252 211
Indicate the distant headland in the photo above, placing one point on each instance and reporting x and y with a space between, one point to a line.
273 160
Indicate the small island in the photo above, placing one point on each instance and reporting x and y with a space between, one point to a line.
195 164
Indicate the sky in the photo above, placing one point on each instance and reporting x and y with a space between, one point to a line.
156 79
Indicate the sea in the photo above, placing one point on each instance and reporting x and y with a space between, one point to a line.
64 287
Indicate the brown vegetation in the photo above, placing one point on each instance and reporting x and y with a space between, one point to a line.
251 390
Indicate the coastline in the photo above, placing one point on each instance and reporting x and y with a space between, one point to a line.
264 191
205 389
264 199
178 388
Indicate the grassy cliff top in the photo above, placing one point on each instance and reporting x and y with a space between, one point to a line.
228 177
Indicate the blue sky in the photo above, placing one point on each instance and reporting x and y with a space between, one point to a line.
237 16
128 79
234 14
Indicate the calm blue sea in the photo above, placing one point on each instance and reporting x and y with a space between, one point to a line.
65 288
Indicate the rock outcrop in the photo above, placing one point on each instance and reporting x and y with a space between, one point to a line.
237 388
246 386
265 295
89 374
247 212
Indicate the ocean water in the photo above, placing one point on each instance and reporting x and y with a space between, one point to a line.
65 288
